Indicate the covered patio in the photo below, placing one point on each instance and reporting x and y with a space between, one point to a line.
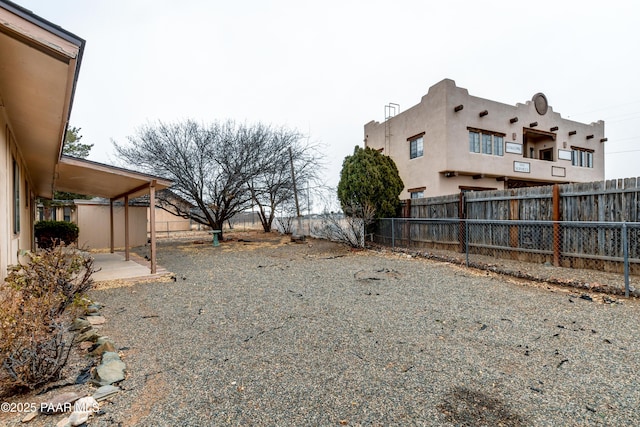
38 77
86 177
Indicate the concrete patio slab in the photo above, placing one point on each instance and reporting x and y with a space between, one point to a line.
113 266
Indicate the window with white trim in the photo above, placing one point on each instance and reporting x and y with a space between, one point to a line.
416 147
474 142
498 145
417 194
486 142
581 157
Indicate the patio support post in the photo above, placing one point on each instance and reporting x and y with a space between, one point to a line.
111 225
126 228
152 224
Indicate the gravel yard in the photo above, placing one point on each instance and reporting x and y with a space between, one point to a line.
275 333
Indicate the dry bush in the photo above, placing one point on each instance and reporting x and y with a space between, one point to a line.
339 228
285 224
38 300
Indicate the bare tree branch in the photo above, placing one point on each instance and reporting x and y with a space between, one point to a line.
221 168
273 186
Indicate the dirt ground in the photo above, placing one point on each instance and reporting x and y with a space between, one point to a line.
265 331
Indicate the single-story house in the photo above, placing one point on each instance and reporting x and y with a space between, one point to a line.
39 68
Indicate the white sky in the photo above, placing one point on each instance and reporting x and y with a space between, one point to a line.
328 67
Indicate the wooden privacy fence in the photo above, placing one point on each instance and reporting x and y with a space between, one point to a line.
573 225
603 201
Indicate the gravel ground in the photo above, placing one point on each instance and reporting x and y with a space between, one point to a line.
267 333
594 279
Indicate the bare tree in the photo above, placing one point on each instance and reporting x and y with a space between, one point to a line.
221 168
273 185
208 165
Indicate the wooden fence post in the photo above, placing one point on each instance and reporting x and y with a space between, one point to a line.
514 214
556 225
462 237
406 224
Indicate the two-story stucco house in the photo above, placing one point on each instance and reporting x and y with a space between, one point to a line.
452 141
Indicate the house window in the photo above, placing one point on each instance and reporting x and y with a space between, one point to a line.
581 157
487 142
474 142
416 147
67 213
16 197
416 192
498 145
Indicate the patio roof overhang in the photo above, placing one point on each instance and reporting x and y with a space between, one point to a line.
39 67
38 74
96 179
86 177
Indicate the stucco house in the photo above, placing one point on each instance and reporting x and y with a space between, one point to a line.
39 66
452 142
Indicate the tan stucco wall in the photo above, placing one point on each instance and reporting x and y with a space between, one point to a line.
446 143
93 222
167 222
12 243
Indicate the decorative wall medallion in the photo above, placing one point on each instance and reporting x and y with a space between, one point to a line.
540 102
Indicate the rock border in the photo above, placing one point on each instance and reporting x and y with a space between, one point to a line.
109 371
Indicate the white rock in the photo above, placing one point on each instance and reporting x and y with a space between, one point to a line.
30 416
77 418
63 422
82 409
86 404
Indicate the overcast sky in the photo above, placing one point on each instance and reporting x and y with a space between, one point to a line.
328 67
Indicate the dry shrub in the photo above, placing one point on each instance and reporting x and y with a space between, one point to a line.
38 300
343 229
